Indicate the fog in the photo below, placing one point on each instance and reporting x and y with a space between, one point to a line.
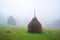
23 10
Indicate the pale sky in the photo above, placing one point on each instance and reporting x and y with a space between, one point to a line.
23 10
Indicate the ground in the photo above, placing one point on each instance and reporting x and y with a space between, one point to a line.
19 33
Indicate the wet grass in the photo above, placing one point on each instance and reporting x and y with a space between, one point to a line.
19 33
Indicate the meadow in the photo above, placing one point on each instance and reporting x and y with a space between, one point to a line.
20 33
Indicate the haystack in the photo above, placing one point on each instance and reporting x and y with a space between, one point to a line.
34 26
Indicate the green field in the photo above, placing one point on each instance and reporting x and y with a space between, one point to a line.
19 33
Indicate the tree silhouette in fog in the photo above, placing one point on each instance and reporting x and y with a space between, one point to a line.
11 20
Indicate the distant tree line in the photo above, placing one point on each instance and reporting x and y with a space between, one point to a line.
11 20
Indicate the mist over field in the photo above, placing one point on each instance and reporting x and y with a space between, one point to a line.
29 19
46 11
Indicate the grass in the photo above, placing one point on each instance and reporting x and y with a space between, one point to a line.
19 33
